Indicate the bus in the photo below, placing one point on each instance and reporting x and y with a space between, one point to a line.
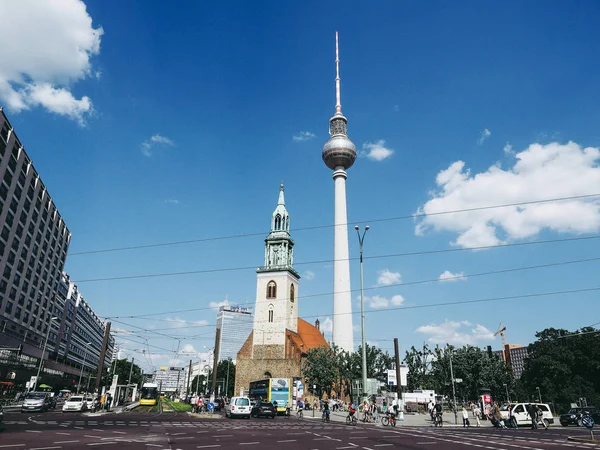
149 394
272 390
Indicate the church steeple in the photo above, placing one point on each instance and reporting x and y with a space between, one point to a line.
279 247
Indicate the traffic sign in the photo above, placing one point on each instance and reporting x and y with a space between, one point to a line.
588 422
458 380
210 406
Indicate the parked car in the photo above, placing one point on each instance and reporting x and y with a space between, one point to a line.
36 401
75 403
238 406
263 409
573 417
520 414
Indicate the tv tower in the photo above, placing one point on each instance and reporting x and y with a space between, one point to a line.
339 153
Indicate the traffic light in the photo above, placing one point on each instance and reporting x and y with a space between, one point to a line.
489 349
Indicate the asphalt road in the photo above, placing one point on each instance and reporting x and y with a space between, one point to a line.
125 431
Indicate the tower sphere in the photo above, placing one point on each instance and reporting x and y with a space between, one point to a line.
339 150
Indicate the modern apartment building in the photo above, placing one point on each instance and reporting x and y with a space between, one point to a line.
78 340
236 323
33 247
517 354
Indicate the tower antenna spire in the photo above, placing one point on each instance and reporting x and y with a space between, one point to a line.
338 102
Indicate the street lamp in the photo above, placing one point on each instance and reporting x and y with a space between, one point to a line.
361 240
539 394
453 390
82 365
43 353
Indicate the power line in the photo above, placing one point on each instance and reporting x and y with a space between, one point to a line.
393 255
315 227
301 297
433 305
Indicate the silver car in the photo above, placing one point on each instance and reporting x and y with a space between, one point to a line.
36 401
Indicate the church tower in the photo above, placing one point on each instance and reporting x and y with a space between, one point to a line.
276 309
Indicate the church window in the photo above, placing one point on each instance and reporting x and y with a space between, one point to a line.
283 223
271 314
272 290
292 293
277 222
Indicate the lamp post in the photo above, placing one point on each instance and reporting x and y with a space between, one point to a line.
227 382
539 394
361 240
43 353
82 365
453 390
507 396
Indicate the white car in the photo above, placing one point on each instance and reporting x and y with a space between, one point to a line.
75 403
519 412
238 406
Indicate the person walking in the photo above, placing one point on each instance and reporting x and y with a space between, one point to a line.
108 401
477 414
465 416
532 411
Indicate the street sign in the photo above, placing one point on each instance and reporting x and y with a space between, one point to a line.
458 380
588 422
210 406
391 374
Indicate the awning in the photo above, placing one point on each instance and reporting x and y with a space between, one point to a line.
44 386
8 383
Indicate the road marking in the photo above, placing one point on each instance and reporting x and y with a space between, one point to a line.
341 448
12 445
42 448
221 435
32 431
64 434
178 434
65 442
288 440
97 443
187 437
208 446
89 435
120 432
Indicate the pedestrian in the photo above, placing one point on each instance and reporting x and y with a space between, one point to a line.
108 401
532 411
465 416
477 414
375 412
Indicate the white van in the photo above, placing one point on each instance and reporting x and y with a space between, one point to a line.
519 412
238 406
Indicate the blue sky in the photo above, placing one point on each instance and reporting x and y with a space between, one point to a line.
153 122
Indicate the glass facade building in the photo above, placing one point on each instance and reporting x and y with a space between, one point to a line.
236 323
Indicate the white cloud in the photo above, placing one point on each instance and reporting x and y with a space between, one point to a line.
326 325
387 278
173 201
379 302
51 45
216 305
508 149
456 333
177 322
303 136
308 275
484 135
157 139
376 150
539 172
449 276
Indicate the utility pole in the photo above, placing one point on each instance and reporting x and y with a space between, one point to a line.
361 241
215 363
453 391
102 356
187 386
130 370
397 357
227 382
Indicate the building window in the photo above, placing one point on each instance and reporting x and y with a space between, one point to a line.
277 221
292 293
272 290
270 313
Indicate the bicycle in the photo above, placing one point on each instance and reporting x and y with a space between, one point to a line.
351 419
438 420
325 417
300 413
388 419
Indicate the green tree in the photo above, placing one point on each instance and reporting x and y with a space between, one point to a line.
226 382
321 369
564 366
122 368
419 368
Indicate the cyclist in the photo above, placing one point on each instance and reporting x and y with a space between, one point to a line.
438 413
299 413
350 418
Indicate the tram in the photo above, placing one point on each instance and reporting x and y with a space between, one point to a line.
149 394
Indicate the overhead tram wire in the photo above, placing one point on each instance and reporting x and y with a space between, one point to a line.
409 283
434 305
393 255
316 227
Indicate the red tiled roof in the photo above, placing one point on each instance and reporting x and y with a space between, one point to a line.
310 335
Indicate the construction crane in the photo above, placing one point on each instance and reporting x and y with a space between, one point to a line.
501 330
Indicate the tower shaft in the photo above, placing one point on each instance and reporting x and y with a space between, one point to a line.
342 298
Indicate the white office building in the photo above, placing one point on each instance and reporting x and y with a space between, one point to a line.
236 324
